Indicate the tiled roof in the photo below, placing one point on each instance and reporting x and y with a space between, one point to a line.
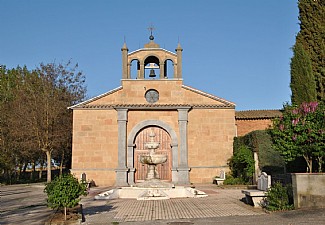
258 114
152 106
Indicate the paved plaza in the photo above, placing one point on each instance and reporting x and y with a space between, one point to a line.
220 202
26 203
23 203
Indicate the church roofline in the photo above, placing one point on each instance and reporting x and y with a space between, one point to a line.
155 106
95 98
209 95
152 49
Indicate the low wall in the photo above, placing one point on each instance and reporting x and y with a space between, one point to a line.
308 190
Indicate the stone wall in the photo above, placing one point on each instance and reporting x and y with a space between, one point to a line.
308 190
210 139
94 145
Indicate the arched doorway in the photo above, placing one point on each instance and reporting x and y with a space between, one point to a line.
164 139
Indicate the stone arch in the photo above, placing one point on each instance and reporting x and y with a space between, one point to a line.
169 68
134 72
152 58
130 145
152 62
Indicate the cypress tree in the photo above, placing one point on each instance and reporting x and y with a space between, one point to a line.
303 85
312 36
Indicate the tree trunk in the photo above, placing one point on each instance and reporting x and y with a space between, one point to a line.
25 168
48 158
40 173
33 170
65 213
320 163
20 168
310 165
61 163
309 162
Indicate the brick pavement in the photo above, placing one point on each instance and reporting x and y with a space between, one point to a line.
219 203
26 204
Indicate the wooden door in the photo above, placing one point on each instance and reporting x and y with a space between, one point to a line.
164 139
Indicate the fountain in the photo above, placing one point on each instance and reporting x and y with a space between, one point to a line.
152 160
152 188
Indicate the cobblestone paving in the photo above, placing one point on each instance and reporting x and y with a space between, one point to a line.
219 203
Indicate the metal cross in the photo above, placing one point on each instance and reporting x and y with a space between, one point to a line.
151 28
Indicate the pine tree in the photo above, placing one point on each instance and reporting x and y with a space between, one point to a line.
312 36
303 85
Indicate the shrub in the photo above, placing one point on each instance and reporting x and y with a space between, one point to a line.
230 180
270 160
277 198
242 164
64 192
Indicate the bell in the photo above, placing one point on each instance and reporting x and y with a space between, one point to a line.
152 73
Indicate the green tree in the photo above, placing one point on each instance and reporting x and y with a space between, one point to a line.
34 115
312 36
242 164
8 82
301 132
14 153
303 85
48 94
64 192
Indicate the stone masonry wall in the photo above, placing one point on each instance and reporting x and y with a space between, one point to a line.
94 149
170 92
95 132
210 142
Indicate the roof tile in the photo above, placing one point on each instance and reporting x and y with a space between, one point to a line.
258 114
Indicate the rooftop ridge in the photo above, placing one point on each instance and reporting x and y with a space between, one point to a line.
208 95
96 97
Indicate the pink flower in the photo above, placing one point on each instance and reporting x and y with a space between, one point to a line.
295 111
313 106
295 121
306 107
281 127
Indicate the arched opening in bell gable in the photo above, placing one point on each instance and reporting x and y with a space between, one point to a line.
134 69
169 68
152 67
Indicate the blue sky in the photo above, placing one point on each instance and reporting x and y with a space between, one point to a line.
237 50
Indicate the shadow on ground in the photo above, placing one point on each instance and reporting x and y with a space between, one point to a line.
92 210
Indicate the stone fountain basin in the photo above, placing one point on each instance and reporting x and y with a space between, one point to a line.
153 159
151 193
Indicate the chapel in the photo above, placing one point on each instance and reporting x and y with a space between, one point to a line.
195 130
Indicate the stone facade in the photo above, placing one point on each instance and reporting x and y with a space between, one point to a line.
201 126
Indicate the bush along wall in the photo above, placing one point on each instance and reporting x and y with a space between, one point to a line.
270 161
279 197
242 167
